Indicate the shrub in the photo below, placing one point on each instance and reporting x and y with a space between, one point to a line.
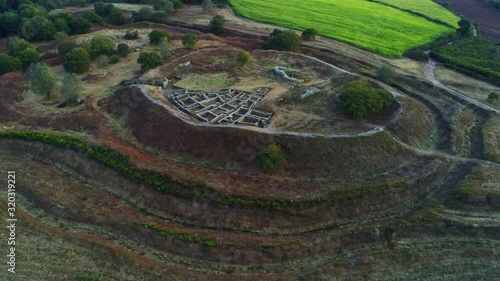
102 45
80 26
358 99
131 34
77 60
43 79
71 88
37 28
18 45
189 40
283 41
386 74
217 24
156 35
122 50
114 59
271 157
29 56
207 5
243 58
93 17
9 63
61 25
492 97
164 47
117 16
144 14
100 9
149 60
60 37
309 34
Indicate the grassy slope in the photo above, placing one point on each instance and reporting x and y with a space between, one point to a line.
426 7
365 24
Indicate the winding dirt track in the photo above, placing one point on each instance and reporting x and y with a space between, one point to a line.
430 75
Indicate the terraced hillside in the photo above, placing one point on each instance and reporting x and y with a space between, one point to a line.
365 24
129 186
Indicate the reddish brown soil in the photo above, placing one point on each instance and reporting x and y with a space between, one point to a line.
482 13
12 86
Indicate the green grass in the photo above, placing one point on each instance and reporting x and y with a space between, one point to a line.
365 24
428 8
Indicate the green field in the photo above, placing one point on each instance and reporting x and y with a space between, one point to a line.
368 25
474 56
426 7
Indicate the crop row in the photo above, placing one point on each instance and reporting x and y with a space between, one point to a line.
477 57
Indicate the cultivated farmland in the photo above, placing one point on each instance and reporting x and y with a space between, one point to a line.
428 8
368 25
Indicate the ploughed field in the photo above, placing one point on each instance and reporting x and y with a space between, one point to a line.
369 25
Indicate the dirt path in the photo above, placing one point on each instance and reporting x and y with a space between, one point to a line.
429 72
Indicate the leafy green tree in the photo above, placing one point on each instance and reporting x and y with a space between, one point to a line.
60 37
100 9
29 56
243 58
18 45
156 35
207 5
144 14
30 10
283 41
164 5
77 60
164 47
80 26
465 27
71 88
149 60
93 17
217 24
61 25
189 40
102 45
132 34
177 4
9 22
9 63
492 97
309 34
386 74
359 100
37 28
271 157
43 79
117 16
122 50
160 17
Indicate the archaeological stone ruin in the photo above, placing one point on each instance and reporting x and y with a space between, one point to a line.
226 106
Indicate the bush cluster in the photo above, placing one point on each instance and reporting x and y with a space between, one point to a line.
358 99
286 40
